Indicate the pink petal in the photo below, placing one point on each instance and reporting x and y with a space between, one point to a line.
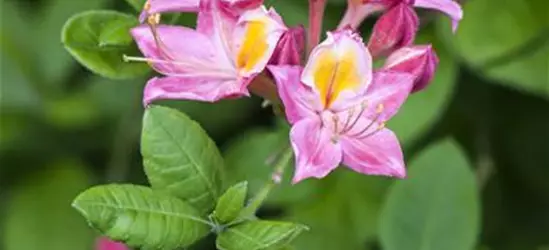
290 47
394 29
316 154
297 98
218 25
450 7
339 69
418 60
237 7
104 243
377 154
182 49
255 38
357 13
161 6
388 91
193 88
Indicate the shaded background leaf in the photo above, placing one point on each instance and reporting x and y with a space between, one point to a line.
439 191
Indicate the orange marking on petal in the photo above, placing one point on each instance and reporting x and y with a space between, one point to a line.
254 46
335 74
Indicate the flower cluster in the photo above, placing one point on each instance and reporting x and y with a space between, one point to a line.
335 101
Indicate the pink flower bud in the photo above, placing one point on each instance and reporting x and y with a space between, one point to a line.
394 29
104 243
290 47
419 60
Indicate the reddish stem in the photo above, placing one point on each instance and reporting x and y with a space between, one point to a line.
316 14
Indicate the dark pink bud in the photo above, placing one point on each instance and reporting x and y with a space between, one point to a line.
394 29
419 60
237 7
290 47
104 243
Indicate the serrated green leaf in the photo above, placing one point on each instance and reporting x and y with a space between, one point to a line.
141 217
258 234
180 158
436 207
231 202
137 4
100 39
38 213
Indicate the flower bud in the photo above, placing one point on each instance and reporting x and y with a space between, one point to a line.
290 47
418 60
394 29
104 243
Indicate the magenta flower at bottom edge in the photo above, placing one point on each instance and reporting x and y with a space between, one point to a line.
338 108
104 243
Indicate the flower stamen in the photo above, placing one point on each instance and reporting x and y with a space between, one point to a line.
348 126
379 111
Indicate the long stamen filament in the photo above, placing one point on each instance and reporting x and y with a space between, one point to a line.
379 111
203 73
348 127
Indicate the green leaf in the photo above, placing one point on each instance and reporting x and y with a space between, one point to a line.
38 213
511 46
100 39
422 109
231 202
258 234
137 4
180 158
436 207
141 217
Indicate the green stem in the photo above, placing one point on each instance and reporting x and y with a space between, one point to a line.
263 193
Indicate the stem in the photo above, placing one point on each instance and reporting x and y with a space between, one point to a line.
263 193
316 14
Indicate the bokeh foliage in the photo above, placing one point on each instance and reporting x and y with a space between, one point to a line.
477 140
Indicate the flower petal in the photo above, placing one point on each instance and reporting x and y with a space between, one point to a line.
104 243
237 7
339 69
218 25
316 154
394 29
181 49
387 93
356 13
377 154
290 47
255 38
161 6
450 7
298 99
192 88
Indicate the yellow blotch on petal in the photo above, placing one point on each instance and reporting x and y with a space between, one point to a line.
254 46
334 74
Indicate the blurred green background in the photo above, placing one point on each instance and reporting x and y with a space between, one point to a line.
64 129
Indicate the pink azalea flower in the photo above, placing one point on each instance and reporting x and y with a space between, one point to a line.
218 60
419 60
358 10
104 243
338 107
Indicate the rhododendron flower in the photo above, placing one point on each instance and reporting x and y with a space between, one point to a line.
419 60
218 60
104 243
358 10
338 108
